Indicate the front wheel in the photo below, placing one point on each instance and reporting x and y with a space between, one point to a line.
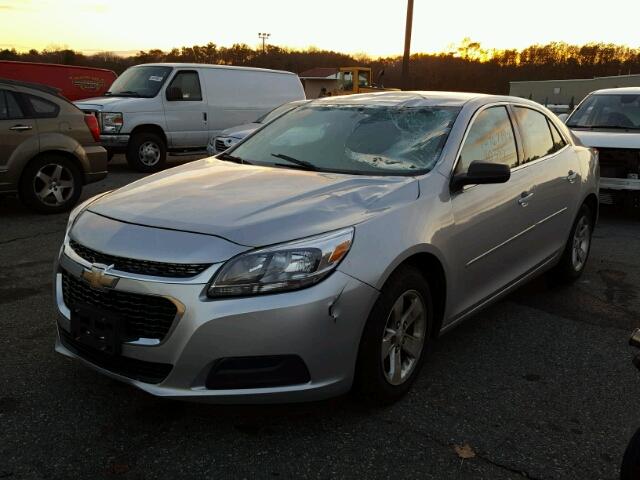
396 337
147 152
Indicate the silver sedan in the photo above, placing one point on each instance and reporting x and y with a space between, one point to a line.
326 252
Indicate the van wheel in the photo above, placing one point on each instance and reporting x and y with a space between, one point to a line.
396 338
147 152
50 183
576 252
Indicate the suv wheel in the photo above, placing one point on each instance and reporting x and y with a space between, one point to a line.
147 152
396 338
50 184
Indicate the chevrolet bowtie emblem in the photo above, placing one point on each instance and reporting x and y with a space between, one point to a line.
98 276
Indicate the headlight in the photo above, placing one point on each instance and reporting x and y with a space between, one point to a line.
284 267
228 142
75 213
111 122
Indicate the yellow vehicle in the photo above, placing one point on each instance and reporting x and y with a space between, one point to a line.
357 80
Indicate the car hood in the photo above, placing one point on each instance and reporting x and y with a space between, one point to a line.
119 104
253 205
240 131
608 139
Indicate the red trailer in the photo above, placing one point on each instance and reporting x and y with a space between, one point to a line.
74 82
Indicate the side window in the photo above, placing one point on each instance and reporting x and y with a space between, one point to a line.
536 134
558 141
42 108
9 106
490 139
363 79
185 87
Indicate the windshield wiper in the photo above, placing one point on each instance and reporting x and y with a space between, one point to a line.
232 158
300 163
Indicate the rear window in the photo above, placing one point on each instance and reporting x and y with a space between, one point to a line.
42 108
9 106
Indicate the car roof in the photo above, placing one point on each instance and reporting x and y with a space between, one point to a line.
34 86
618 91
419 99
209 65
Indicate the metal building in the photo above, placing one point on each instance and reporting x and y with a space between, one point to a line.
568 92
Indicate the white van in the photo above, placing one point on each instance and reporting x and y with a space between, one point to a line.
153 109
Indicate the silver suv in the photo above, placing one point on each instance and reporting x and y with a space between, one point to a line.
326 251
48 148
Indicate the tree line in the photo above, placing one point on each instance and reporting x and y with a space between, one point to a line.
465 67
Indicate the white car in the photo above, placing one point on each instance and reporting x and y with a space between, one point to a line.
231 136
157 108
609 121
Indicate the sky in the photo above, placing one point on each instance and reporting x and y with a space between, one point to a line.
374 27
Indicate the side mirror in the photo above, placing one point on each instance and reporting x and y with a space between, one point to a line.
563 117
481 173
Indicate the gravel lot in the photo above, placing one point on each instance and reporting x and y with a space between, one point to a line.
540 385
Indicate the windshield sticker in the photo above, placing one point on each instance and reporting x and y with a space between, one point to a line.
155 78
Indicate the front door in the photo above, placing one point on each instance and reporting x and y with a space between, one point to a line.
185 108
492 222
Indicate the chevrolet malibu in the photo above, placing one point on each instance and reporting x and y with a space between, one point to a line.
328 251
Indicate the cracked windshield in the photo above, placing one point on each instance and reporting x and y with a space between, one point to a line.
354 139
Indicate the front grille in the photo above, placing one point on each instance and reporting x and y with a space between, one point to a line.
144 316
618 162
148 372
220 146
142 267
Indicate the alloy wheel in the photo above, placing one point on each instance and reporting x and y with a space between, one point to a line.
403 337
53 184
581 243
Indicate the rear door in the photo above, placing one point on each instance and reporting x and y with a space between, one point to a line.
554 169
492 224
185 107
15 129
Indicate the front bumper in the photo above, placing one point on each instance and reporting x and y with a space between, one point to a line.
321 324
114 141
608 183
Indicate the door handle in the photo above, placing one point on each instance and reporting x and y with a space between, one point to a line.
571 177
20 128
524 198
204 116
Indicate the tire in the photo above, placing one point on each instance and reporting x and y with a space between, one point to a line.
375 380
571 266
147 152
50 183
630 468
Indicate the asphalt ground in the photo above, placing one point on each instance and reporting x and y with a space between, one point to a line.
540 385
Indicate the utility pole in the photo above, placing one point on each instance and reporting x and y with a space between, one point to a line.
407 45
263 36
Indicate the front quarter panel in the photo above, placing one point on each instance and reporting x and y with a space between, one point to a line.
382 243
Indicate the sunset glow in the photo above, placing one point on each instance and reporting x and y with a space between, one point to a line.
375 28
